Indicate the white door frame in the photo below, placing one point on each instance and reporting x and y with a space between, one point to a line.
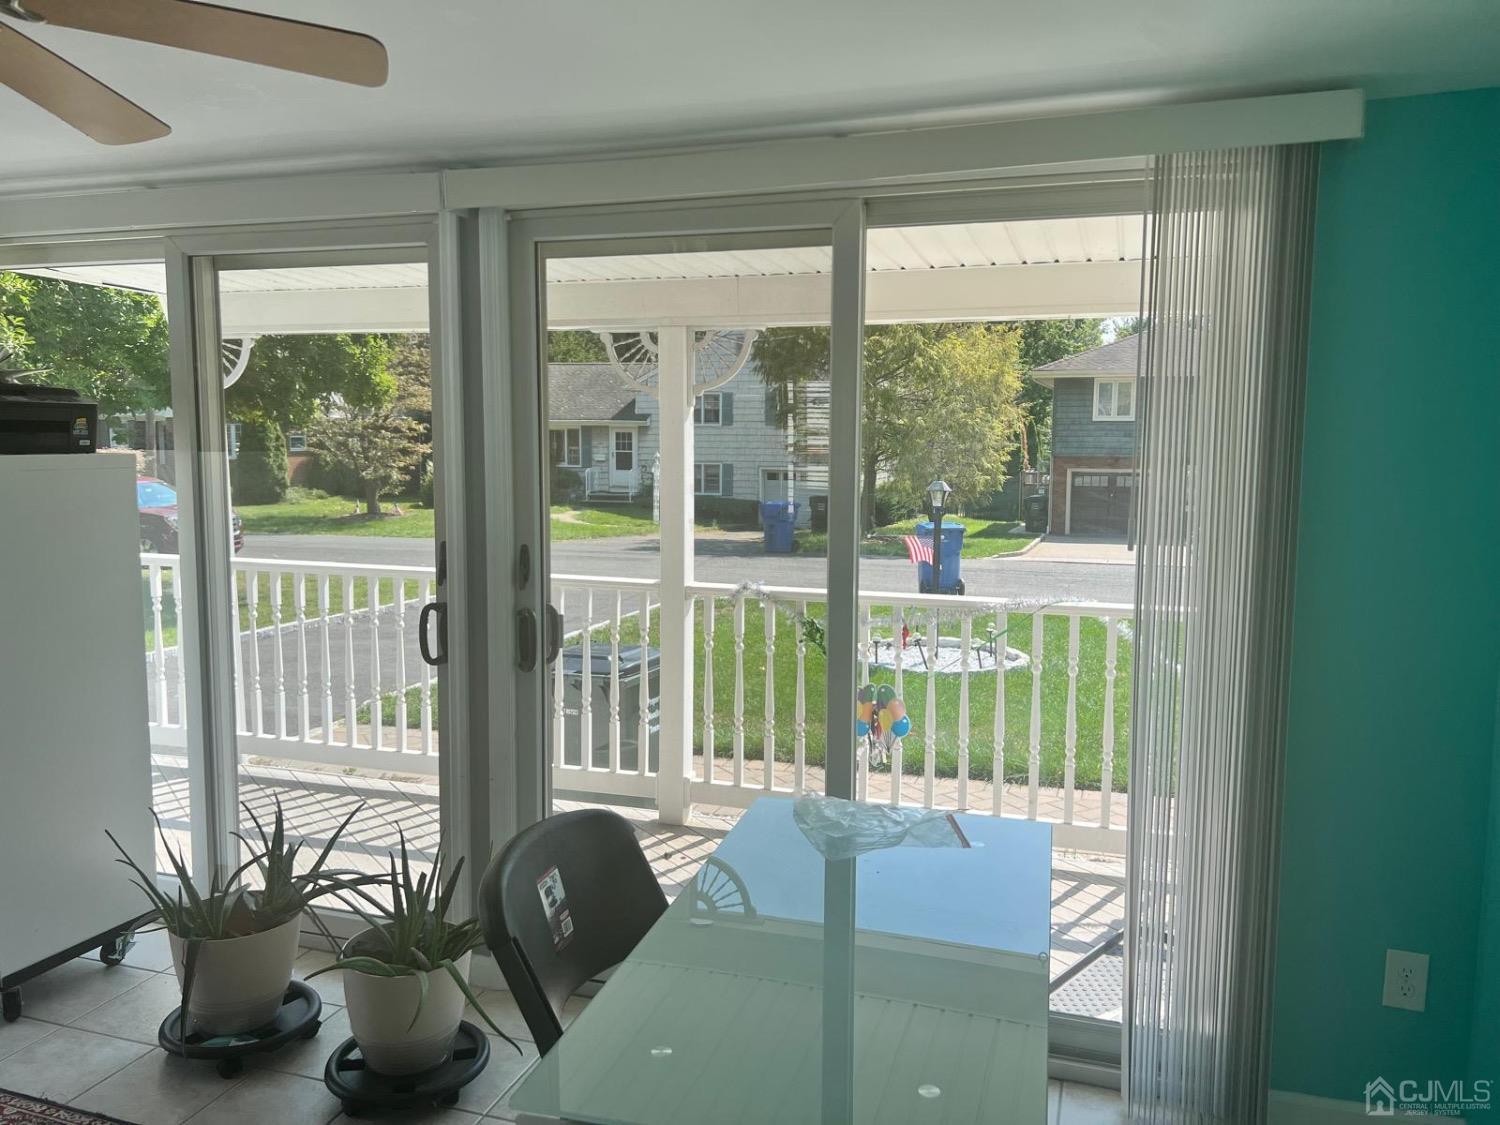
629 479
532 238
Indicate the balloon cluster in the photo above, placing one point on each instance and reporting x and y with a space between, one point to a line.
880 715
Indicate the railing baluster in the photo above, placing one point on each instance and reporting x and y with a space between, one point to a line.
614 686
181 689
997 769
424 704
559 734
768 730
1107 753
351 702
966 635
710 603
236 574
377 719
799 729
739 691
862 748
643 724
398 595
325 650
898 642
586 694
1034 765
278 651
158 644
299 604
252 590
929 758
1070 754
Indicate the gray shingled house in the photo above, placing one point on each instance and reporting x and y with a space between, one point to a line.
609 434
1093 438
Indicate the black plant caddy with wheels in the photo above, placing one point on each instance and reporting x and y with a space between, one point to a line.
299 1017
359 1088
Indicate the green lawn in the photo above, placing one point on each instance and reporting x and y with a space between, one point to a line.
1054 697
983 539
600 521
308 512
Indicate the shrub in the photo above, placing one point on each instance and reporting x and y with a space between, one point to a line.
567 485
894 502
727 511
258 473
427 487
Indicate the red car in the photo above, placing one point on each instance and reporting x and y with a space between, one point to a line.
156 501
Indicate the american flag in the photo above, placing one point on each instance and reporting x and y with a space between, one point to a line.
918 549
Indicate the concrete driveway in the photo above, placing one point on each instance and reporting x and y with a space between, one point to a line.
1082 548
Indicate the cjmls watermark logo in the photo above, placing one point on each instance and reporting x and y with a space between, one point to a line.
1411 1098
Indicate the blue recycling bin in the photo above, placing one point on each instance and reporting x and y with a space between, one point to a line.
778 520
952 546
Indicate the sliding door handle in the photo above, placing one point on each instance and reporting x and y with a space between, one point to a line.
526 640
429 611
554 633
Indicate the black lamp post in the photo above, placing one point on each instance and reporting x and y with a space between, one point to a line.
937 496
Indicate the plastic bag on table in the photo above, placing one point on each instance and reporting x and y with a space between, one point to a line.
842 829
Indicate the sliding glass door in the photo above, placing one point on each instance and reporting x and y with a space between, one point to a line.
679 501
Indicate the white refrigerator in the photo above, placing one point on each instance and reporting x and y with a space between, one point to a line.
75 757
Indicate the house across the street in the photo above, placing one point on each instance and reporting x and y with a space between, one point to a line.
1093 438
744 450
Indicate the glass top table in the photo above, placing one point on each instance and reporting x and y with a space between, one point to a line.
793 982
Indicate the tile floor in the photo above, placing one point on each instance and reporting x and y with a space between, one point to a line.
88 1034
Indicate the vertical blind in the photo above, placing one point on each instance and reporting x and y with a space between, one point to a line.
1222 376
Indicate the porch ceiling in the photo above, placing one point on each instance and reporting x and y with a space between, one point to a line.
962 271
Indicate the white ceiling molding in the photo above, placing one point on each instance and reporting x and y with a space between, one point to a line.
878 162
955 152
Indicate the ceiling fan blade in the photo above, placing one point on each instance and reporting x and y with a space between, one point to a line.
308 48
81 100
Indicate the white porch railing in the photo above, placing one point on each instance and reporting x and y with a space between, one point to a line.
328 674
323 648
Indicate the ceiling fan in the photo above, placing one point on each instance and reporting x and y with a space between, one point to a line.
91 107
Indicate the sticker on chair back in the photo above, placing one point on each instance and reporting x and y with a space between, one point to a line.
555 903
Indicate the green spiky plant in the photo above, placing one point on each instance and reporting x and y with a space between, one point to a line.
411 935
231 909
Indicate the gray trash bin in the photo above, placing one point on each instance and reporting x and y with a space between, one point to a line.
630 705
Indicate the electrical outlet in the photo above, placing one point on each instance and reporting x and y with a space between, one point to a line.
1405 980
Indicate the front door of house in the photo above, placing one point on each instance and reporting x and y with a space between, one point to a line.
622 460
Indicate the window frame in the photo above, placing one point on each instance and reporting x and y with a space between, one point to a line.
1114 400
232 432
566 431
700 476
700 413
301 438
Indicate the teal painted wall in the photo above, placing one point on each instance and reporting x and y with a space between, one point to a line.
1396 646
1484 1046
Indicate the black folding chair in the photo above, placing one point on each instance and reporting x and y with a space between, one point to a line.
566 899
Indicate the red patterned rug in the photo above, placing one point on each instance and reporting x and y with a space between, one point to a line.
21 1109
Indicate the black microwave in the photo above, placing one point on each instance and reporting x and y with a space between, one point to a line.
46 420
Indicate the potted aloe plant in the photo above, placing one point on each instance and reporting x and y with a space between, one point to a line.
406 975
233 947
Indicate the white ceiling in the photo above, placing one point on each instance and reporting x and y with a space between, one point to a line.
486 80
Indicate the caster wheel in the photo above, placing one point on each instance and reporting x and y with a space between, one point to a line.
351 1109
113 952
12 1004
229 1068
312 1029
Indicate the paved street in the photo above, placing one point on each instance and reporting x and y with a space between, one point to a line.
736 560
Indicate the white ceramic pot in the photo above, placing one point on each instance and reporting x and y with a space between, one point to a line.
238 982
380 1015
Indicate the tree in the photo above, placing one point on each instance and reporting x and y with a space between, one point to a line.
258 473
289 379
381 443
575 345
939 400
110 345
